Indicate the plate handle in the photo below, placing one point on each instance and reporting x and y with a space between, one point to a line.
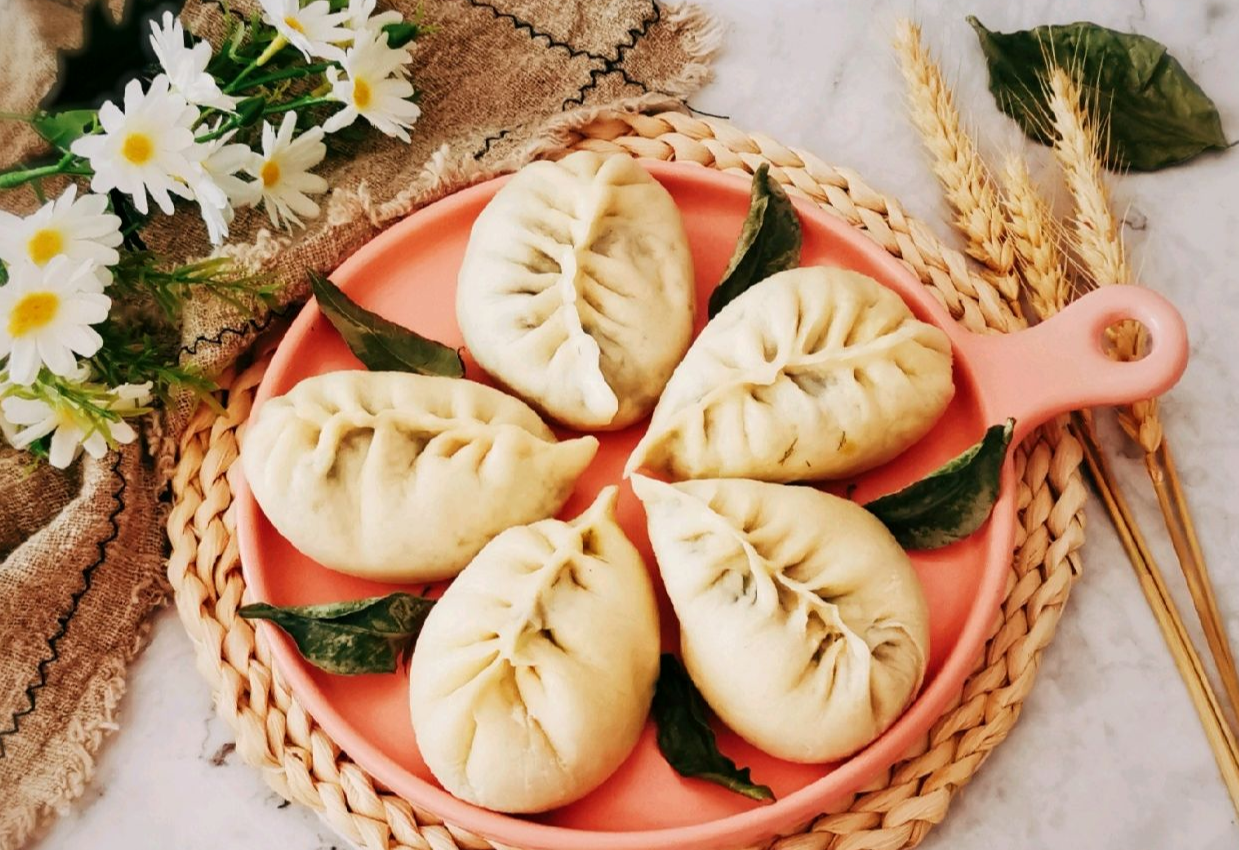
1061 365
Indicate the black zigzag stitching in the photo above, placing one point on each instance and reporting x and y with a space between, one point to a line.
520 24
67 617
610 65
613 65
252 325
637 33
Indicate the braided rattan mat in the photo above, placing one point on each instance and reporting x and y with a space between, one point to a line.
275 734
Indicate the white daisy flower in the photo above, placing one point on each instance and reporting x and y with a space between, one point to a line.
374 87
283 171
146 148
78 228
216 186
314 29
186 66
71 432
8 430
213 204
223 160
361 16
46 316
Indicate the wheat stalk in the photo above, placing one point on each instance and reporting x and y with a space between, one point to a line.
1097 240
968 185
1097 236
1019 230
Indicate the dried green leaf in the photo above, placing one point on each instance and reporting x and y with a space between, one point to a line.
769 241
350 638
1156 114
380 344
952 501
685 738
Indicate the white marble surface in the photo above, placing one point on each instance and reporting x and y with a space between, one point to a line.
1108 753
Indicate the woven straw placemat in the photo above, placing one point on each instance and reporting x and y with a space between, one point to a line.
298 759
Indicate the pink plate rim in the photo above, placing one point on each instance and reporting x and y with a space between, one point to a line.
735 830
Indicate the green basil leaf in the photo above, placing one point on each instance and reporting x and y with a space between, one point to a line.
769 241
380 344
1157 115
63 128
952 501
685 738
350 638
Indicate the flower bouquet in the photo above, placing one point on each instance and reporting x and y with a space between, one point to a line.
84 307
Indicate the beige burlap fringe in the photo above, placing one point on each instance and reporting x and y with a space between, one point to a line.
298 759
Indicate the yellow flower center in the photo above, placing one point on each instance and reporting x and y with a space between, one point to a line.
270 173
137 148
32 312
361 93
294 24
44 245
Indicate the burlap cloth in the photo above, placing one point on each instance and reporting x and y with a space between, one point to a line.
83 550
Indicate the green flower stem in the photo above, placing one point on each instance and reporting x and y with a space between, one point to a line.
219 131
277 44
300 103
286 74
68 164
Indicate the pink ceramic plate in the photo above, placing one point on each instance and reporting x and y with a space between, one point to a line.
408 274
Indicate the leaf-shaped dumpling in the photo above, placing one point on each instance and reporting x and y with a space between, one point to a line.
577 289
813 373
533 675
401 477
801 619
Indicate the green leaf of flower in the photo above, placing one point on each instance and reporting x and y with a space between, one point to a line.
1157 115
380 344
769 241
350 638
951 502
685 738
400 34
63 128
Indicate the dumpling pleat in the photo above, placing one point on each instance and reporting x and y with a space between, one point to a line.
834 642
807 375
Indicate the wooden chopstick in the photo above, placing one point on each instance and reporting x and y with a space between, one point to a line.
1173 503
1218 732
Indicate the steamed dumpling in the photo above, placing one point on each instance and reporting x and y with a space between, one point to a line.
399 477
813 373
577 289
801 619
533 675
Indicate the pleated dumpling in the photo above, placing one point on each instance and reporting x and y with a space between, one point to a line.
533 675
813 373
801 619
577 289
400 477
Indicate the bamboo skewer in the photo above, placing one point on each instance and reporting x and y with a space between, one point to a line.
1186 658
1173 504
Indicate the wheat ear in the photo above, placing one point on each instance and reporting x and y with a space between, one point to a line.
969 188
1034 234
1098 242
